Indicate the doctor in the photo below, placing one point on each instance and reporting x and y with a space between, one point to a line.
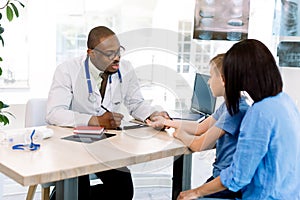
74 99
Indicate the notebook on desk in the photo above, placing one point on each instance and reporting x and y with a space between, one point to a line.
202 102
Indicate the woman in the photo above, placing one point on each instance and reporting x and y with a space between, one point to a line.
266 161
220 130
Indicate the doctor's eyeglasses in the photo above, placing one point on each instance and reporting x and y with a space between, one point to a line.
112 54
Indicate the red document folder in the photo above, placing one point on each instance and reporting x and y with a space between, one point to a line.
88 130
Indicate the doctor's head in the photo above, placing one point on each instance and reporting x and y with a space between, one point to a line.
104 49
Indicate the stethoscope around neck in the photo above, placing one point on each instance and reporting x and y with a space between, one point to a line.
92 97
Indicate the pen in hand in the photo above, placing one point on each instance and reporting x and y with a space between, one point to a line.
117 128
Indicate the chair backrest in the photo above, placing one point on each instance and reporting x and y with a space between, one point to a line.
35 112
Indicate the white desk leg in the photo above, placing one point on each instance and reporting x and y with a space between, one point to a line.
67 189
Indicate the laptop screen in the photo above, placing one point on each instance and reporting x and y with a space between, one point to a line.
202 100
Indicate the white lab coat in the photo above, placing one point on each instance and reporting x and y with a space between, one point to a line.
68 103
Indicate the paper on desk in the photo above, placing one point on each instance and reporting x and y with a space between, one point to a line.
45 132
137 122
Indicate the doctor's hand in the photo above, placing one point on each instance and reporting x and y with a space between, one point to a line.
163 114
109 120
157 122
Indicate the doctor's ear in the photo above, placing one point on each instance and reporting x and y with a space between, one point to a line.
89 51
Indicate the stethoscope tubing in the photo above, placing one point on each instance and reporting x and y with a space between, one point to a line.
92 97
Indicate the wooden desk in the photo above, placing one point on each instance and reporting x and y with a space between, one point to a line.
63 161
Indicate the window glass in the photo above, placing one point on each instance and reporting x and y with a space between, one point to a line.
15 52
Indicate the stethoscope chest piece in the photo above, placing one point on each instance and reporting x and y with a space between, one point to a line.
92 97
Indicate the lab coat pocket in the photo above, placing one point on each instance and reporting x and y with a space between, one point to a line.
116 101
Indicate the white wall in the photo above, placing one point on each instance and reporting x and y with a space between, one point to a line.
41 28
291 80
260 28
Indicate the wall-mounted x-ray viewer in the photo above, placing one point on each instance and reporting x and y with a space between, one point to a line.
221 20
289 54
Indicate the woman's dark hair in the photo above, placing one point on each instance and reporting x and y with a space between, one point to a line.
249 66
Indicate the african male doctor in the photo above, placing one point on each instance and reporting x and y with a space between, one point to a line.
74 99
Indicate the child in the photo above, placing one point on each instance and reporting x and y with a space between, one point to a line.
219 130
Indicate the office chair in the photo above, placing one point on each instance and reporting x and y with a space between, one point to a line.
35 114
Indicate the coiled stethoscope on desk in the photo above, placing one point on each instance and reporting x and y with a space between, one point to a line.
92 97
31 146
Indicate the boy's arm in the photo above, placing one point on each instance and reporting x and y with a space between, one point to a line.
202 142
191 127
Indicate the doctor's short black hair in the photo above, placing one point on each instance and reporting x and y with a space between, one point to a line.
97 35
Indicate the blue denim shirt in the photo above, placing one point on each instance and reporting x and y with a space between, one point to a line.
266 163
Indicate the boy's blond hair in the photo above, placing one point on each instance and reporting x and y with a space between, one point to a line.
218 61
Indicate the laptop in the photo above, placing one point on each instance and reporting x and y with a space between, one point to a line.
202 102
